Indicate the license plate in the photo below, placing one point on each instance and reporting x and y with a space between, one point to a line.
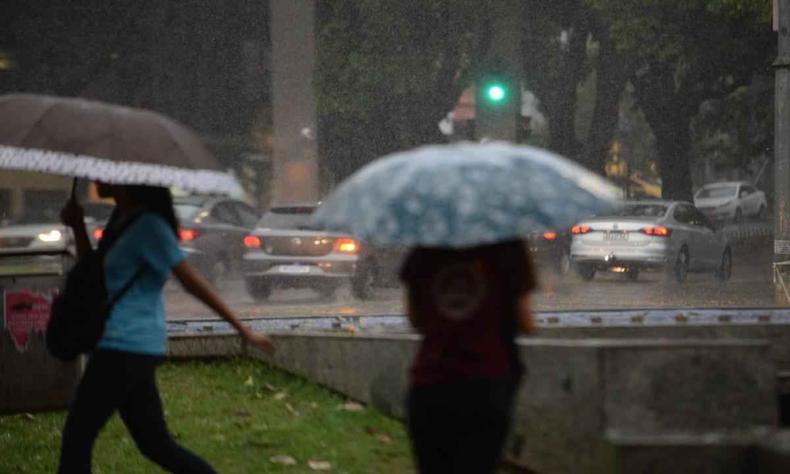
616 235
294 269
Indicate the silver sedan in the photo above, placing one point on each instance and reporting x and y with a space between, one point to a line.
672 236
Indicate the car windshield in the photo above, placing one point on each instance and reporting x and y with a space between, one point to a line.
292 217
187 211
642 210
717 192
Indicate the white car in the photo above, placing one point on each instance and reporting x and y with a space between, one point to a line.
672 236
731 201
38 230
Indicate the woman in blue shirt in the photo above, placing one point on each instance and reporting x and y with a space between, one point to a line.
120 374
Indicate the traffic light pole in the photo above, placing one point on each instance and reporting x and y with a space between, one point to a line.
495 119
782 154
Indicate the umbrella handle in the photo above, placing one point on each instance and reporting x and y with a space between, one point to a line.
74 190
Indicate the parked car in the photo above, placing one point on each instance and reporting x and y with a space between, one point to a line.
211 233
673 236
731 201
282 252
550 250
39 229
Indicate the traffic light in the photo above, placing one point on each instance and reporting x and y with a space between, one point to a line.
496 91
498 100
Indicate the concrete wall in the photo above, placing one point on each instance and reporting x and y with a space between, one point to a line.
776 335
575 392
32 380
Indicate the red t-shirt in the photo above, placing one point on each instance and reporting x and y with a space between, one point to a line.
464 302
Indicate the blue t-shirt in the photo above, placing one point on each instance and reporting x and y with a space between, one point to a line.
137 321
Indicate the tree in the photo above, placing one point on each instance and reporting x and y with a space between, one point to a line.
202 63
388 72
686 52
554 41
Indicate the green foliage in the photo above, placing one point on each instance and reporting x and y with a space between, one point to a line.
388 72
686 52
679 30
738 128
237 415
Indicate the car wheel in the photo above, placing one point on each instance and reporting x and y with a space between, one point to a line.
363 283
738 216
724 271
258 288
564 264
586 272
680 269
632 274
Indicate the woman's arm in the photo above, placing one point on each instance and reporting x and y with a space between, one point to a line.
195 285
73 216
526 323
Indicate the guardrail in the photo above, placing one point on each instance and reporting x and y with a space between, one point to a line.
559 319
748 231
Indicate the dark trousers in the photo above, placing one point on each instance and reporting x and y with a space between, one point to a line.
125 382
460 427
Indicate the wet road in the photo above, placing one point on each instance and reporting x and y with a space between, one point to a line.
750 286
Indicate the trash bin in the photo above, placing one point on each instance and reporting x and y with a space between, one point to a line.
31 379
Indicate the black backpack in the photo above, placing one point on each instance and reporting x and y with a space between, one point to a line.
79 312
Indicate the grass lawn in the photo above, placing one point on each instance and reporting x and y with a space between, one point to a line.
237 414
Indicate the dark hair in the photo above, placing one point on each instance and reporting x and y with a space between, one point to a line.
155 199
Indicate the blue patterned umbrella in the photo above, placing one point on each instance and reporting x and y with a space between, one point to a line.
464 195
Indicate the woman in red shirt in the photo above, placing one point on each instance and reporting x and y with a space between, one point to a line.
469 305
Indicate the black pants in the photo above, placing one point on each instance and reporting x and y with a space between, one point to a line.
460 427
125 382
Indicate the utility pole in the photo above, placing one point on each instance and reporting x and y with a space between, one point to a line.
295 146
498 97
782 146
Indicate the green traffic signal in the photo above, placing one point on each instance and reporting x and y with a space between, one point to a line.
495 92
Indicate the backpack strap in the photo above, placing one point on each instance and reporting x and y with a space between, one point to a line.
114 236
127 286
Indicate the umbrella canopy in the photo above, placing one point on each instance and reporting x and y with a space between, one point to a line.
464 195
94 140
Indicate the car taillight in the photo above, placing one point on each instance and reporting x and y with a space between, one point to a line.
98 233
252 242
550 235
188 234
346 245
580 229
657 231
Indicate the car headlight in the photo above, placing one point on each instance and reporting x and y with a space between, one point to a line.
53 235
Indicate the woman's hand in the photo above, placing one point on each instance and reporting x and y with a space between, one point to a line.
195 285
72 214
261 341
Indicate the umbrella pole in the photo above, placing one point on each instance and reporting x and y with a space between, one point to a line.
73 197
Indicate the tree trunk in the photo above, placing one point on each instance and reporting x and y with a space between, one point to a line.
673 142
554 49
668 110
613 72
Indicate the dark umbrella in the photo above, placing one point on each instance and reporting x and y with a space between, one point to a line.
111 143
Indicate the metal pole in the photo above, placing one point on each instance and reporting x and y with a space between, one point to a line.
782 144
295 148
